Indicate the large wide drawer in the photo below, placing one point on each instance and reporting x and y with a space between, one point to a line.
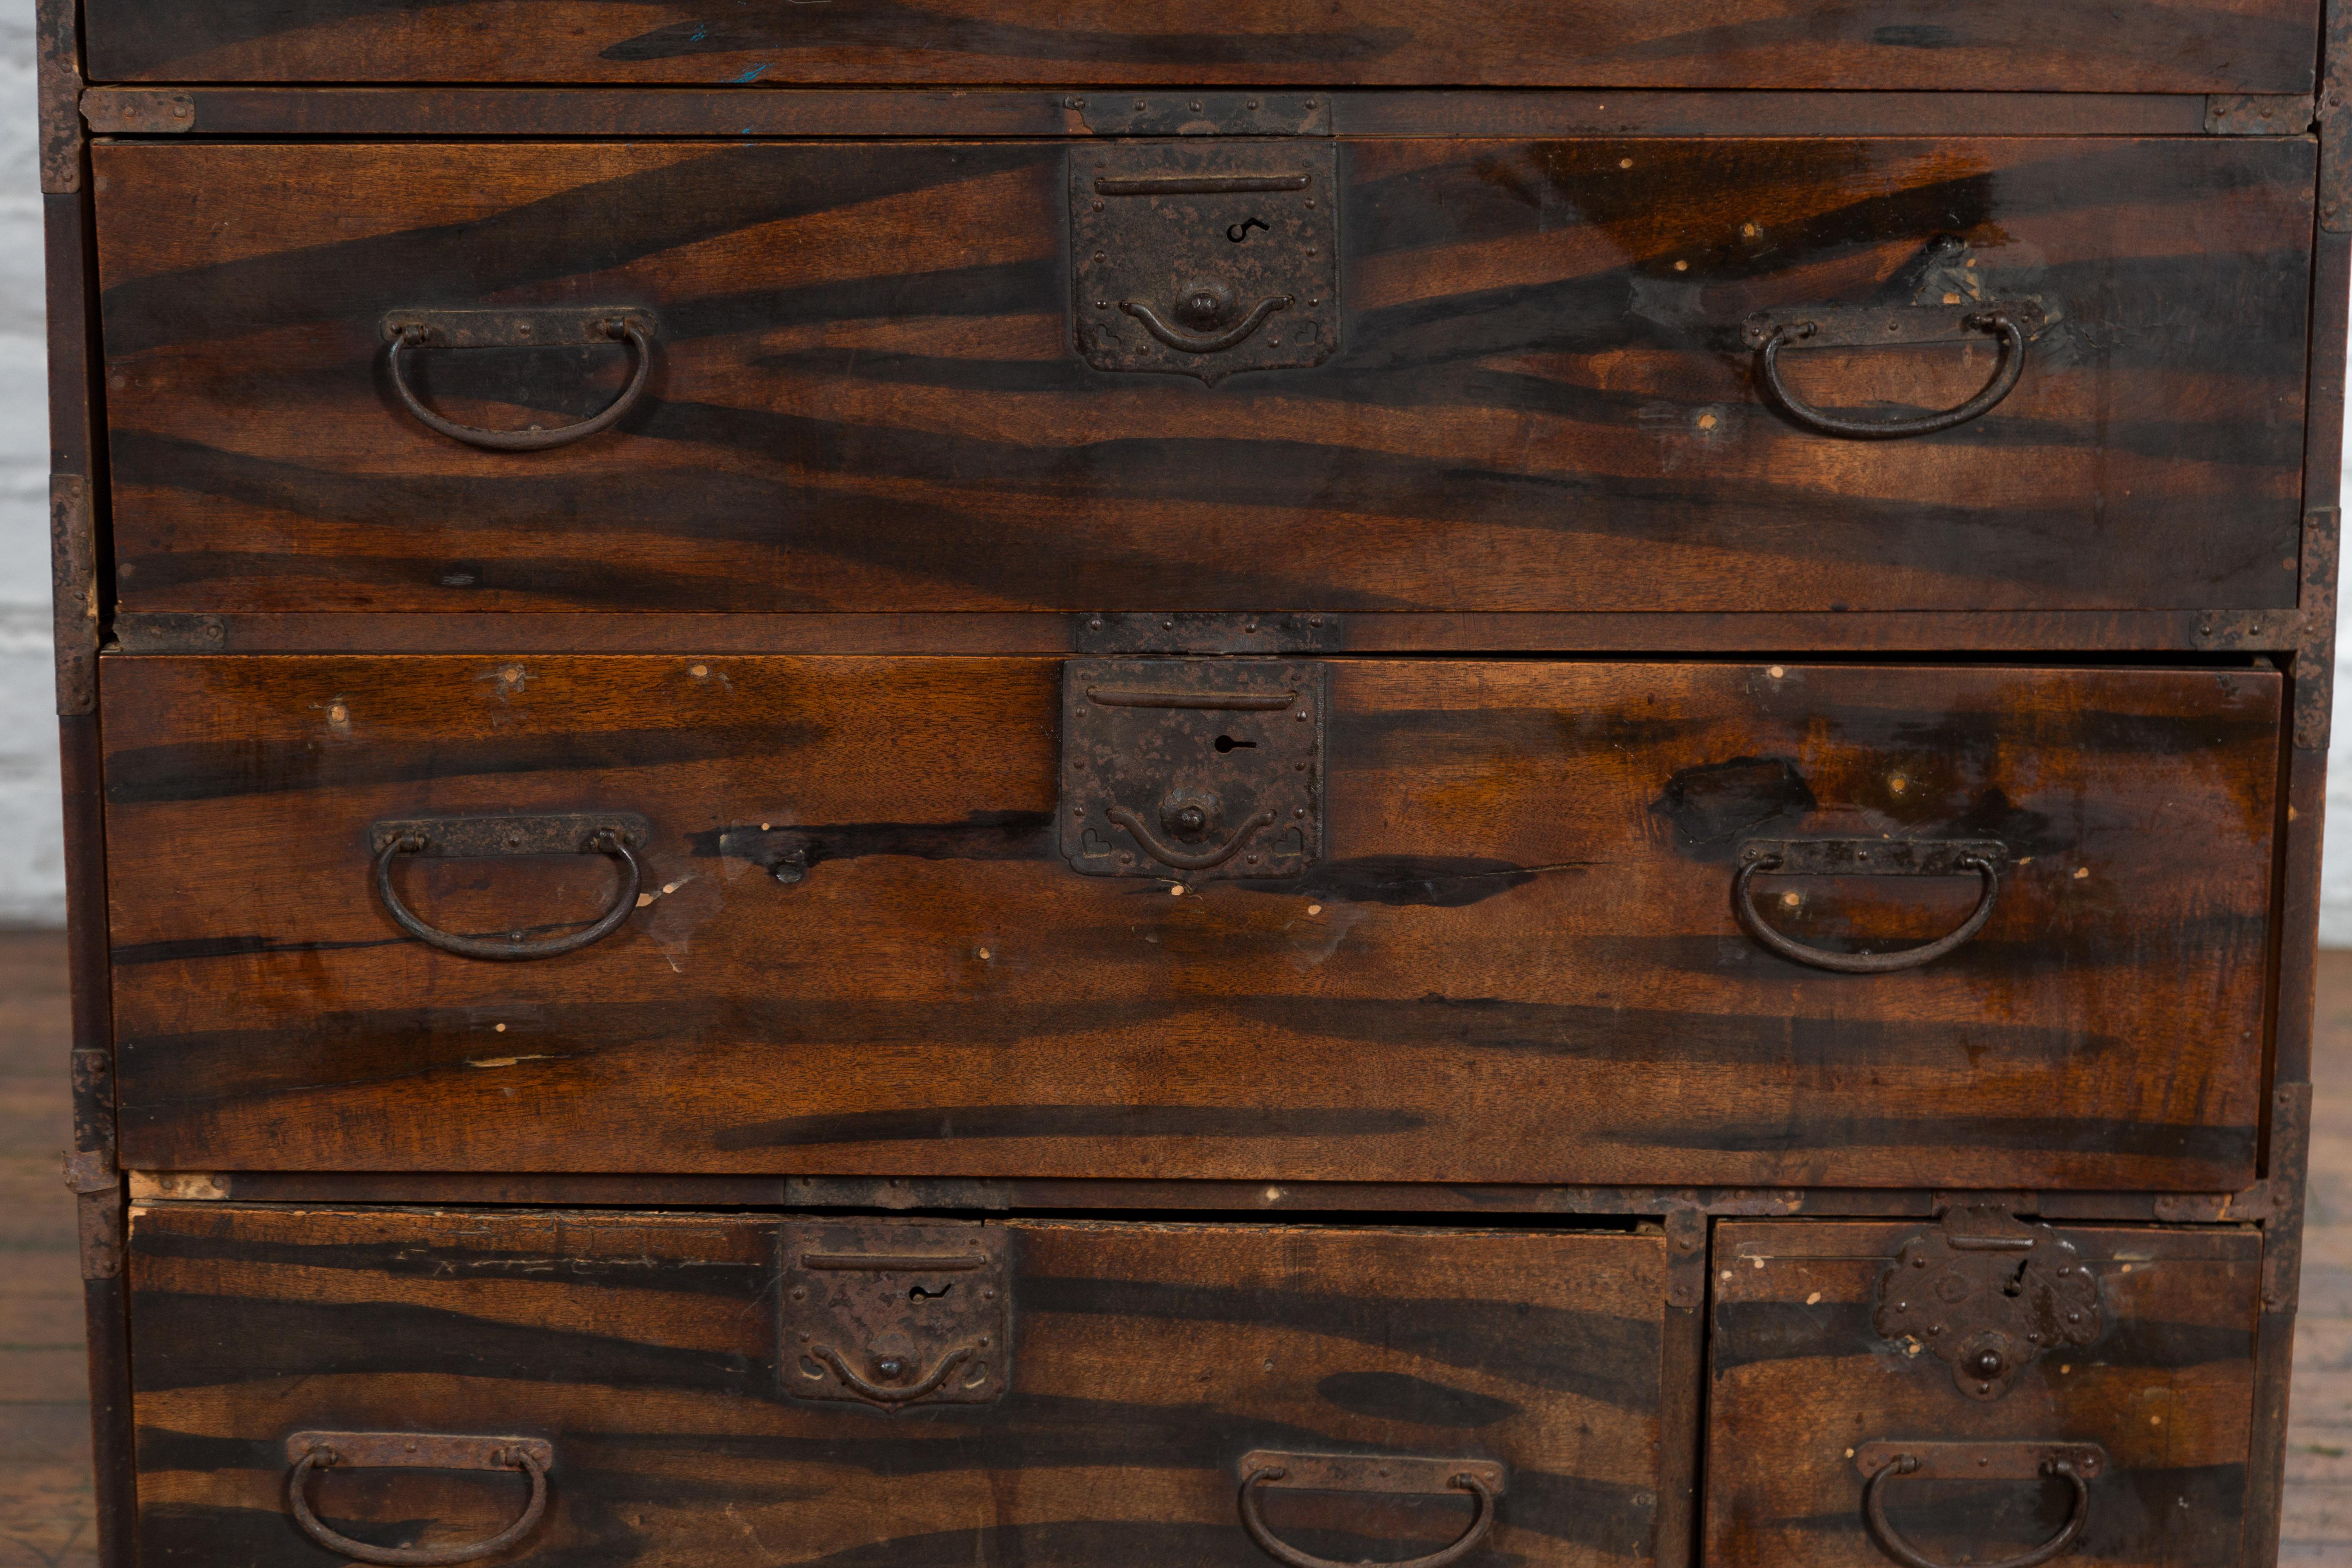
2261 46
1413 374
682 1384
1843 1356
1428 921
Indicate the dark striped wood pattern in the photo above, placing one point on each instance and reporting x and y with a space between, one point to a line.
1149 1359
2263 46
1800 1380
865 396
1520 963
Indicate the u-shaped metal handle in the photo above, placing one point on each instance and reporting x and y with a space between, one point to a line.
865 1388
2011 364
1866 857
463 836
1482 1479
401 337
1890 1541
319 1450
1205 343
1168 854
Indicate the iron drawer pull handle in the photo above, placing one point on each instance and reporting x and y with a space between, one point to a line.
1210 343
1281 1552
2004 378
1744 900
534 440
1873 1512
604 841
415 1556
1188 860
882 1394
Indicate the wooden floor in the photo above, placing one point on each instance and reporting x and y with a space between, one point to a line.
44 1495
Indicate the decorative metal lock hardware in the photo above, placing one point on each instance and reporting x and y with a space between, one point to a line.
892 1313
1939 297
1192 768
1988 1295
1206 259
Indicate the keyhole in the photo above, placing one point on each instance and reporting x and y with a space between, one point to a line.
919 1294
1240 231
1229 744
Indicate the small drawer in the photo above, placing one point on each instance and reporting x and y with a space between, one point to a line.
1977 1388
1345 920
2259 45
1418 374
754 1390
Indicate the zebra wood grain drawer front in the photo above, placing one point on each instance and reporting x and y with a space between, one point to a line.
1154 1367
1499 920
2262 46
1582 375
1817 1412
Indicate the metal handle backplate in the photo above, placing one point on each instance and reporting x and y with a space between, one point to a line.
1484 1479
309 1451
1983 858
2078 1463
616 834
406 331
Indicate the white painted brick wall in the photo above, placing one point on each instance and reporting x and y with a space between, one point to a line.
32 863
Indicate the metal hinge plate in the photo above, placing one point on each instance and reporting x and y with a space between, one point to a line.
894 1313
1988 1295
1203 113
1192 769
1204 631
2258 113
137 111
1206 259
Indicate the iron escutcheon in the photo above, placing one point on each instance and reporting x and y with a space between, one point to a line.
895 1313
1192 769
1988 1295
1206 257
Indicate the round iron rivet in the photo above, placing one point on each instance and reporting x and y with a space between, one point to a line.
1935 1328
1141 106
800 1293
514 936
1301 714
1168 625
1310 201
1298 810
1922 1263
1251 858
2074 1317
1253 104
1196 106
1098 255
890 1368
984 1341
1902 1306
1095 625
988 1294
1098 206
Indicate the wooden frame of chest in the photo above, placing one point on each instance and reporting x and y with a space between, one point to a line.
1001 785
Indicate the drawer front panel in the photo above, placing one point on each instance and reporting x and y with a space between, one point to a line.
643 1352
860 384
1806 1393
2262 46
859 944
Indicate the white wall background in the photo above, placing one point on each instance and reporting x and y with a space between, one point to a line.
32 863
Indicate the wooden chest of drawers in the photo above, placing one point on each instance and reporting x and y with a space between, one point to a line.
969 783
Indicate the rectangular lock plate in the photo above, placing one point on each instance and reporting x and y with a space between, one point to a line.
894 1313
1192 769
1206 257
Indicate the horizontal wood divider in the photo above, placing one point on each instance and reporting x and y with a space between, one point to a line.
953 632
449 112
